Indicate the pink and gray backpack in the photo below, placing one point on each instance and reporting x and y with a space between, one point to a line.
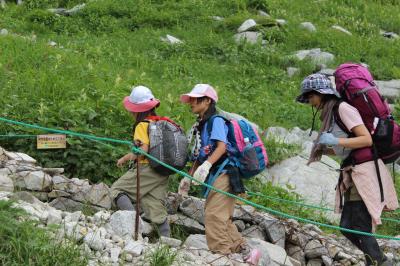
357 87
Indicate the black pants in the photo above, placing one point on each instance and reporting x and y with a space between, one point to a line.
355 216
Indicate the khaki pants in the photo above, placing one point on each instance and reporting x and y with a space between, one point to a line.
153 191
221 234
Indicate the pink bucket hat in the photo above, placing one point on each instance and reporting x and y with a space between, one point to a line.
140 100
200 90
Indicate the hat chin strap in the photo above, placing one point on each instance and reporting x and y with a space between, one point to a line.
313 120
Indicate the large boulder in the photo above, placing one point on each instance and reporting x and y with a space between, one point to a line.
316 182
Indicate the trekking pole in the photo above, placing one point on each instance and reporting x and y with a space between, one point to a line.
137 200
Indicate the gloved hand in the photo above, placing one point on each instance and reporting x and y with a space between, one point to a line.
184 187
328 139
202 172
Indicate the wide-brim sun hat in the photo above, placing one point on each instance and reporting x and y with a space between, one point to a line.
316 82
200 90
140 100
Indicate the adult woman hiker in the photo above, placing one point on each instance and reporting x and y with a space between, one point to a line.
208 153
153 187
358 183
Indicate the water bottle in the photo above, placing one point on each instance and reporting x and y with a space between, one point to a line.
247 143
249 160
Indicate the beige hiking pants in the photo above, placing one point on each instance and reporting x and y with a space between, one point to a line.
153 191
221 234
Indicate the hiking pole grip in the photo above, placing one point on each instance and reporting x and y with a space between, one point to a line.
137 200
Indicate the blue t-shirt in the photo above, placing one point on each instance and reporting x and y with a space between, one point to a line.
219 132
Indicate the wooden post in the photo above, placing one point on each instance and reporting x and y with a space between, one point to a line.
137 199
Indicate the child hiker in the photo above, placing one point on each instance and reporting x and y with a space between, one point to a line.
153 186
358 183
208 153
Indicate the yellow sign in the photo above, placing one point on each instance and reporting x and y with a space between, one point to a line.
52 141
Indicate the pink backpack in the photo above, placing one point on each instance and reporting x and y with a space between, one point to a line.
357 87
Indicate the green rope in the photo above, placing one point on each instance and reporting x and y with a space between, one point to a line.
306 205
140 151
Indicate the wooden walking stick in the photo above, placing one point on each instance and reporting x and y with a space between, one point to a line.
137 199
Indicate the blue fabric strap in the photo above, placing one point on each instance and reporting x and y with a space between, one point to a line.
213 177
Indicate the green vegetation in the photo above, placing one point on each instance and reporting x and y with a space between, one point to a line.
23 243
162 255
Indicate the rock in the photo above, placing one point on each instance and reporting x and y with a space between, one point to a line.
123 223
314 262
60 183
244 213
54 216
263 13
99 195
281 22
101 217
172 202
74 230
53 171
6 183
327 260
314 249
248 24
217 18
171 39
57 194
114 254
217 260
193 208
94 240
240 225
74 217
312 227
189 225
52 43
316 56
254 231
36 180
196 241
66 204
274 230
42 196
3 32
297 253
20 157
135 248
247 36
27 197
172 242
390 35
389 89
291 71
328 72
341 29
308 26
316 182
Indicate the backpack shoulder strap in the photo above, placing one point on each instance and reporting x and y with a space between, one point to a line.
338 120
210 122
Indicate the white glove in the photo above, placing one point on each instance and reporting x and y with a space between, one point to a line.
201 172
184 187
